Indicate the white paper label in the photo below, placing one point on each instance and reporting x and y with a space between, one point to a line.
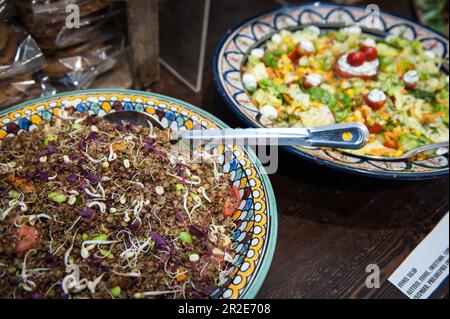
427 266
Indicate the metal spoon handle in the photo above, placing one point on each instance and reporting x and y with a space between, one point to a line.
345 136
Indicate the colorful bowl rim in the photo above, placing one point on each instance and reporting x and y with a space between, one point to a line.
296 151
266 262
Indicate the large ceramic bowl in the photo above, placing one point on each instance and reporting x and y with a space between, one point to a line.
256 220
236 45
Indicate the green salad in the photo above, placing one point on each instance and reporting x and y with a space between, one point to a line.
313 77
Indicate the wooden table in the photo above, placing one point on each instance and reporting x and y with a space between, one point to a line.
331 224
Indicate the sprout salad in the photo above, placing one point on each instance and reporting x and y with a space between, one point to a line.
94 210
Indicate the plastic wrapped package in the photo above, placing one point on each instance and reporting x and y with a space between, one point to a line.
19 53
46 21
24 87
20 59
75 57
78 67
2 7
50 11
17 90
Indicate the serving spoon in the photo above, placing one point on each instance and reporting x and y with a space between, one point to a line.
343 136
440 148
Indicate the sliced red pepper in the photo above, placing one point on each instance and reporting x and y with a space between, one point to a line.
294 56
232 202
376 128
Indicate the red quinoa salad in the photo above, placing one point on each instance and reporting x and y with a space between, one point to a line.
89 209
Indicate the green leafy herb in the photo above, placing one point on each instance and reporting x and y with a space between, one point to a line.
270 60
424 95
409 141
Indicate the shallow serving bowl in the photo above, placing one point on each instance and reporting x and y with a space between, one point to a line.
256 220
237 44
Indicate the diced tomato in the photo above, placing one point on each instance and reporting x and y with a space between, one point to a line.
294 56
219 255
232 202
376 128
27 237
356 58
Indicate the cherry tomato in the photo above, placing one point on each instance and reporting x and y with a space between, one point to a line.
356 58
27 238
232 202
375 104
376 128
410 85
370 52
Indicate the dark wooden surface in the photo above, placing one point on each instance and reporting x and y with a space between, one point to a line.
331 224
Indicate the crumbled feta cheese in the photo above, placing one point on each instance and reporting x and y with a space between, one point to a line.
257 53
354 29
276 38
307 46
314 79
430 54
370 42
269 111
249 81
313 31
259 72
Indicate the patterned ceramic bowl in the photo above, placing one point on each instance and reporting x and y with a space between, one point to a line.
256 220
237 44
